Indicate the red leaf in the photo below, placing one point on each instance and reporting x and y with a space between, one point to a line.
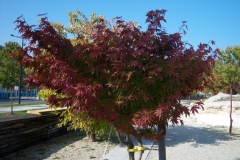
11 55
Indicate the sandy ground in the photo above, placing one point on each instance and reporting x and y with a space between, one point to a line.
71 146
198 141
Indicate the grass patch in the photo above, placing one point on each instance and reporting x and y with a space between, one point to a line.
17 113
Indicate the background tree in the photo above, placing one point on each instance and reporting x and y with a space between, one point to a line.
119 74
217 86
1 64
228 67
10 68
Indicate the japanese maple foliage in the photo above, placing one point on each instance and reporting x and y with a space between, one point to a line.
127 77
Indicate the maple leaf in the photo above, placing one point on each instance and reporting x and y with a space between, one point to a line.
11 55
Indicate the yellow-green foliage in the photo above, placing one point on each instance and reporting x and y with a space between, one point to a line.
80 121
45 93
77 120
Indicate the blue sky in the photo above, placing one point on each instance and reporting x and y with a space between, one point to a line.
206 19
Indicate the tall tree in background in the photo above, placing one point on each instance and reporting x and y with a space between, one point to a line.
10 67
1 64
228 67
119 74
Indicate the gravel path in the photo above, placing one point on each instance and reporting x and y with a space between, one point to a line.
197 141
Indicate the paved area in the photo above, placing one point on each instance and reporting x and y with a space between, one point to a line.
24 100
22 108
120 152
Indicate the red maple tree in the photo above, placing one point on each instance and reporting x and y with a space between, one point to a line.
124 76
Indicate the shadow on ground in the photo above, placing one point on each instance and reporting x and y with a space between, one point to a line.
199 135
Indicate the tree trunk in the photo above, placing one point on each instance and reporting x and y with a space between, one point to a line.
161 142
11 101
92 137
140 152
162 148
230 114
189 100
130 146
128 143
131 155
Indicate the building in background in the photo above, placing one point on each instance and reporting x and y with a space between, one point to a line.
26 92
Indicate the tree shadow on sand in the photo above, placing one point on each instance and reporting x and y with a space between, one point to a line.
45 149
199 135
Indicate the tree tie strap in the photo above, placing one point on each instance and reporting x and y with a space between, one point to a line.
136 149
